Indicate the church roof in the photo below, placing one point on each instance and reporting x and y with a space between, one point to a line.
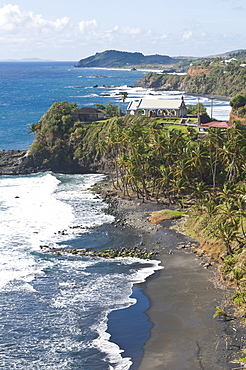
155 104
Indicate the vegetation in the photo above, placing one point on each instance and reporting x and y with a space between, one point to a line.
165 164
114 58
165 214
111 109
196 109
238 104
208 77
120 59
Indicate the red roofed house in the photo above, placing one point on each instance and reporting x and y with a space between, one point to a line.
214 124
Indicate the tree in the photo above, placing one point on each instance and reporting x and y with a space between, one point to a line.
100 106
238 100
124 96
195 109
111 109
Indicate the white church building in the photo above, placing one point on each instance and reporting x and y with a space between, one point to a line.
157 107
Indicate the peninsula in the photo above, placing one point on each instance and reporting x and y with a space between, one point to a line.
123 59
216 76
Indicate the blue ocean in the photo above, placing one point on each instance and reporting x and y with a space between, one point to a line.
59 311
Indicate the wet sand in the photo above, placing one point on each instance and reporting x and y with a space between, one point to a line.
182 304
183 300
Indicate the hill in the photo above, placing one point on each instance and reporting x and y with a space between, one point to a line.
120 59
211 76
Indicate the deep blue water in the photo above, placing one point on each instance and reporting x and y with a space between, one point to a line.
27 90
66 312
54 310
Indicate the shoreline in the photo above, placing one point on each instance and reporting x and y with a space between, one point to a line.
182 299
184 334
210 96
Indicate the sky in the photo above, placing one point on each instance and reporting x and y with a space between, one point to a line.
75 29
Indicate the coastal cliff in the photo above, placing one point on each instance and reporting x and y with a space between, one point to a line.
64 144
208 77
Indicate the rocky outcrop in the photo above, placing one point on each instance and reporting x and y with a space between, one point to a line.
13 162
19 162
159 81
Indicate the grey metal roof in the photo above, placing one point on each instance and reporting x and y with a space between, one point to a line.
154 104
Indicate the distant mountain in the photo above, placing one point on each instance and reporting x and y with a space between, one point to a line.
27 60
117 59
35 60
240 53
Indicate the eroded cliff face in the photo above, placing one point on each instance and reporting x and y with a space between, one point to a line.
19 162
161 81
234 117
198 71
215 79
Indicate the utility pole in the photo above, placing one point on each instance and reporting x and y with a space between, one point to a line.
212 104
198 112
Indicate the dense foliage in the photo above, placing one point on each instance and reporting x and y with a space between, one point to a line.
172 166
162 163
115 58
208 77
199 108
238 104
111 109
53 134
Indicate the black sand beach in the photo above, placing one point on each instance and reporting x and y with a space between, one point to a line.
183 300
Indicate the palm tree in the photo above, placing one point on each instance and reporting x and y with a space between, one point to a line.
179 186
228 232
124 96
198 153
163 182
215 141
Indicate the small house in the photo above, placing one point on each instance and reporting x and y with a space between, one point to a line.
88 114
157 107
214 124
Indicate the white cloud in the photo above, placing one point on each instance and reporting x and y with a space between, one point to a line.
164 36
131 31
87 25
26 34
12 19
187 35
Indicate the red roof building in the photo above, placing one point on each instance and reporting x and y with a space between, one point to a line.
215 124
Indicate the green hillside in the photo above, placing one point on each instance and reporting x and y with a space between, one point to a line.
217 77
120 59
151 161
